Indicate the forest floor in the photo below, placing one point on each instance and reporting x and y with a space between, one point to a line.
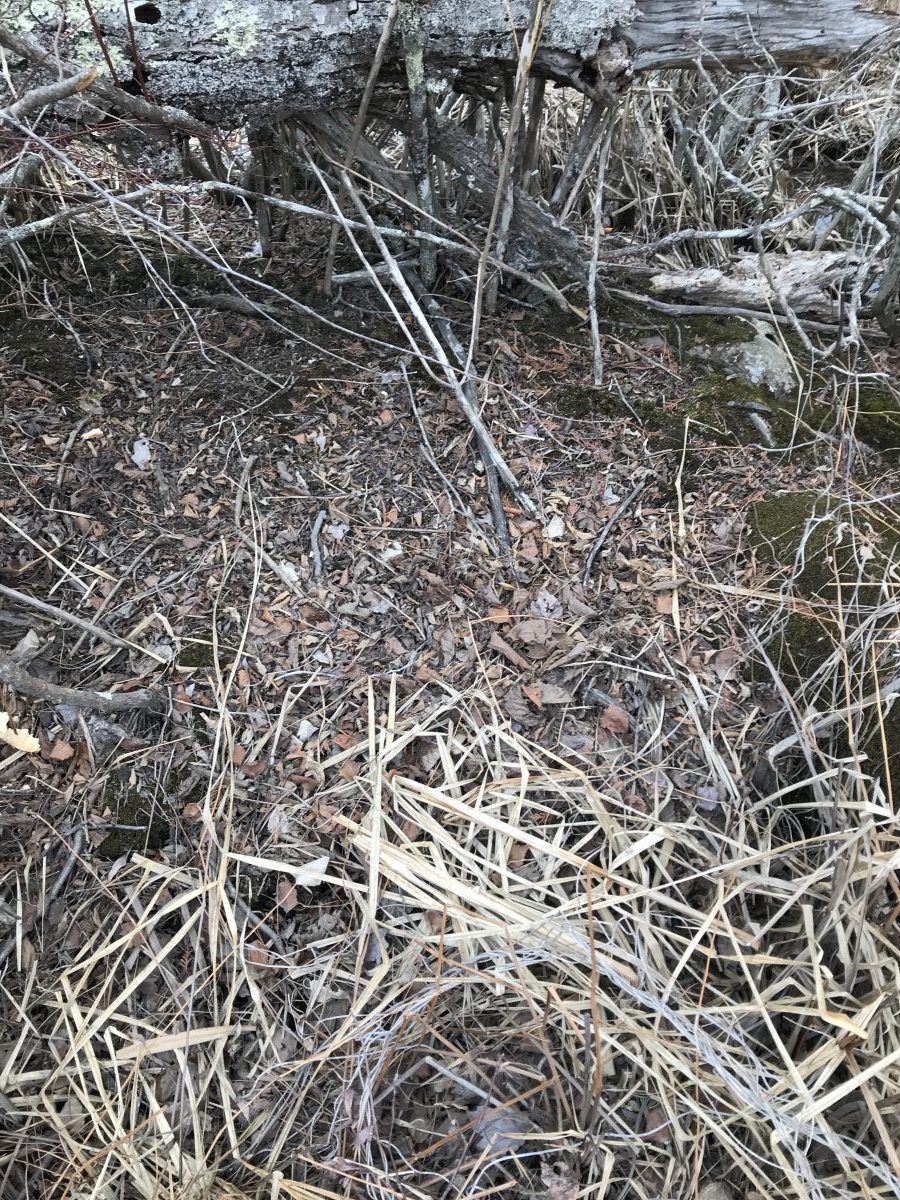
374 902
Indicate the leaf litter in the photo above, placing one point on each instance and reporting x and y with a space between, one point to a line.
434 878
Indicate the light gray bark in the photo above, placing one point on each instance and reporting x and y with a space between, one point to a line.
232 60
673 33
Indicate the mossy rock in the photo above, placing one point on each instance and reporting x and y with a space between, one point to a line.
146 822
878 417
808 533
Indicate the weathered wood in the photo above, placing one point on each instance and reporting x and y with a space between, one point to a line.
673 33
229 61
807 281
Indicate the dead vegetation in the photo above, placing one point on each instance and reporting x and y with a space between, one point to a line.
547 849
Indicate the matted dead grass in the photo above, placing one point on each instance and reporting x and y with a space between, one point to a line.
510 975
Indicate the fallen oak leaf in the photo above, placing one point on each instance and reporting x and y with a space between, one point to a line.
60 751
615 719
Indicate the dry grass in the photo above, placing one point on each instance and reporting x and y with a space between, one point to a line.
512 974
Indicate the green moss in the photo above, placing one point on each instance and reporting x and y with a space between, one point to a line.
806 642
799 530
878 417
195 653
588 401
714 331
145 822
793 531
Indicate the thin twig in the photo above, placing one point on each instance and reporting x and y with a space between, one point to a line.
60 614
41 689
241 489
314 543
598 545
426 447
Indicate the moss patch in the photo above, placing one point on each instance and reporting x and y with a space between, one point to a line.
145 822
199 654
794 531
798 531
878 418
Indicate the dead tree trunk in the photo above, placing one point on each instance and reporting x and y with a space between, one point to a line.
233 61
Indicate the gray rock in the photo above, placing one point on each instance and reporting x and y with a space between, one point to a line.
761 361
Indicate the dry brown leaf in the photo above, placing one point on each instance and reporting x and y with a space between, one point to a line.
499 614
257 955
615 719
664 603
60 751
560 1181
19 739
533 692
286 895
554 694
515 706
657 1127
536 631
27 953
716 1191
499 643
545 604
726 661
516 856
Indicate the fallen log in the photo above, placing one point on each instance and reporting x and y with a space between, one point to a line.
807 282
235 61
